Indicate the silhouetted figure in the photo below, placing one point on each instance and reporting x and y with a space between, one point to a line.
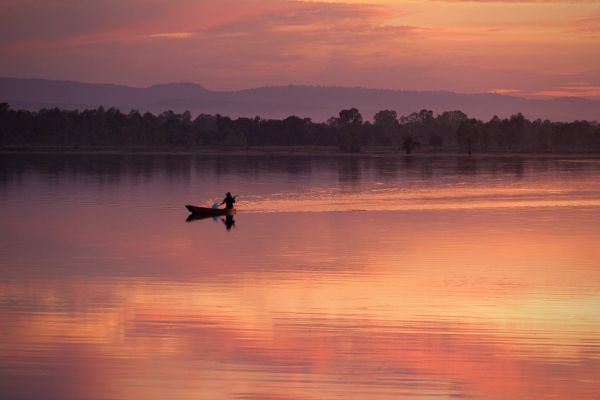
229 222
228 201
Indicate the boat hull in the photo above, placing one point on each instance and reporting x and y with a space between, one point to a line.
206 211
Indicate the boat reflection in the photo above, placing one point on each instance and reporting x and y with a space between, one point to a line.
227 220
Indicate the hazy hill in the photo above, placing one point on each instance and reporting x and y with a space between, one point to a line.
316 102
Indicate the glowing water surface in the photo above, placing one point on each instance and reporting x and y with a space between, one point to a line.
361 278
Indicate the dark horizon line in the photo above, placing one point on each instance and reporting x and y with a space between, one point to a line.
293 85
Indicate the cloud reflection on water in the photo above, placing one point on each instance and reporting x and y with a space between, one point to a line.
100 299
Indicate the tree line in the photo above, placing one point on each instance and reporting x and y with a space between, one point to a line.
419 131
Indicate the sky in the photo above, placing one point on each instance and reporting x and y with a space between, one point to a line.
542 48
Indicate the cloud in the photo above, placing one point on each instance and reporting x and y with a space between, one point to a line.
523 1
37 21
34 20
571 91
306 14
505 91
233 44
171 35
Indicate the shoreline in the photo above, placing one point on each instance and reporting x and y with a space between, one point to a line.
304 151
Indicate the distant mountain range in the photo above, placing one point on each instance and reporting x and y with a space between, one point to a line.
316 102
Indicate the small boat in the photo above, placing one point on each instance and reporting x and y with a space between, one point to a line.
207 211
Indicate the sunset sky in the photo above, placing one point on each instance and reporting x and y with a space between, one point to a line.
526 48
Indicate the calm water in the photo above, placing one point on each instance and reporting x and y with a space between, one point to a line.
341 278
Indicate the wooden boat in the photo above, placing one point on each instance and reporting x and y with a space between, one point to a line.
209 212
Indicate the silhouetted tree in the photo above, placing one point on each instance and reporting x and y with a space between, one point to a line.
409 144
349 124
514 131
102 127
4 117
446 125
436 141
467 135
387 127
229 135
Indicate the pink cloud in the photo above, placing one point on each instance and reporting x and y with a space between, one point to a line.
235 44
505 91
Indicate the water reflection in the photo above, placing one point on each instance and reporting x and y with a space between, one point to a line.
277 171
466 166
227 220
474 281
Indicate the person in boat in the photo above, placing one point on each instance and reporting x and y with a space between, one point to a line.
229 200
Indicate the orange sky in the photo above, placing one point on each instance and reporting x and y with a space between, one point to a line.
547 48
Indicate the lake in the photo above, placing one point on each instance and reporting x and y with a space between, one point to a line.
338 278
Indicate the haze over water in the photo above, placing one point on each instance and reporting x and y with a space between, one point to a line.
343 277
